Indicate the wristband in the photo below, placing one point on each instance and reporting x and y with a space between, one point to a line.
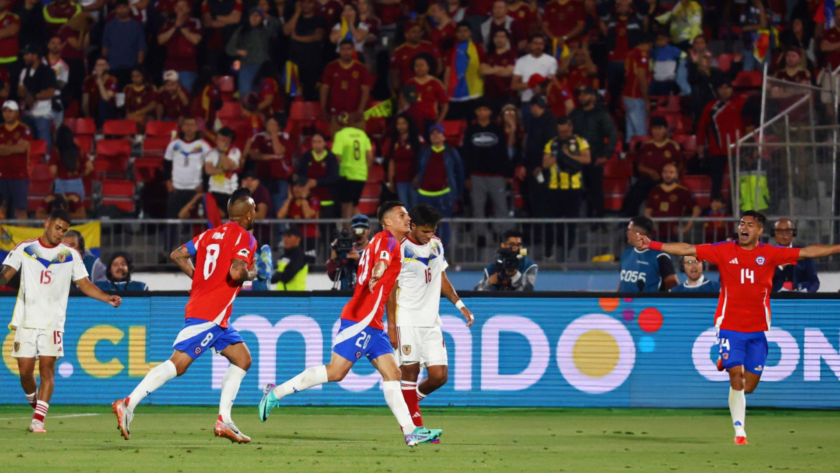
655 245
460 304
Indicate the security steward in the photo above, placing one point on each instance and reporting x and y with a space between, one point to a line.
293 267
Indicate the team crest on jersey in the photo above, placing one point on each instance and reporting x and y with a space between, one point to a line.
760 261
358 355
197 350
406 349
61 257
725 356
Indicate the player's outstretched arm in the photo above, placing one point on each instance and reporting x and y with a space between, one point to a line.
818 251
391 314
90 290
677 249
239 270
448 291
6 274
181 257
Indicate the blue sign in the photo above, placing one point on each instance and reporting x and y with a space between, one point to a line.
544 351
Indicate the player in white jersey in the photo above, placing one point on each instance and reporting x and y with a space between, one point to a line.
414 310
47 267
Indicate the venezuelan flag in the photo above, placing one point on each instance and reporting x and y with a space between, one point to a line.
763 42
825 13
557 51
465 77
291 79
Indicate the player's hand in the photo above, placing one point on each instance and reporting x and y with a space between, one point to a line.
115 301
493 279
643 243
392 335
468 315
372 283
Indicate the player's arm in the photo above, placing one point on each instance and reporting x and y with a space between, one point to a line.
448 291
6 274
676 249
239 270
818 251
181 257
90 290
391 314
376 273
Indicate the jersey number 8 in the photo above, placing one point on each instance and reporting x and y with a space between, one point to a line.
210 260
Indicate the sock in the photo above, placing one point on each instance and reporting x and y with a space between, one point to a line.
409 392
738 409
32 399
151 383
40 411
305 380
395 401
420 395
230 386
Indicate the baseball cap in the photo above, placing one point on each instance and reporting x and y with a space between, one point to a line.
170 76
536 80
360 221
256 10
540 100
11 105
436 127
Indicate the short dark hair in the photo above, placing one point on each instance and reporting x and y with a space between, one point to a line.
239 194
386 207
425 215
758 216
464 24
60 214
644 223
564 120
226 132
346 41
535 36
74 233
511 234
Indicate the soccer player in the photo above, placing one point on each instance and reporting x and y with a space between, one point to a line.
414 310
224 259
47 268
362 332
743 314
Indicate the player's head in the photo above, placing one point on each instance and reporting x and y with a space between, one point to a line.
394 217
424 222
512 240
74 240
783 231
120 267
692 267
751 227
56 226
241 208
639 226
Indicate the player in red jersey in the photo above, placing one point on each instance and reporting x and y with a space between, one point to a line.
362 331
224 259
743 313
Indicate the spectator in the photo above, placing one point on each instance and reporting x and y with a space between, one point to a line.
9 35
220 165
58 12
670 75
5 84
75 35
403 57
498 21
800 37
794 71
302 205
673 201
261 196
695 281
623 30
140 98
424 96
463 74
498 71
118 275
272 151
830 44
123 43
180 36
31 28
208 99
292 268
306 31
36 88
648 270
370 20
522 279
14 156
69 165
329 10
99 92
183 165
440 177
652 157
353 149
350 28
686 20
563 22
390 11
71 203
801 277
94 266
636 84
319 166
755 21
219 18
270 94
342 267
704 78
720 124
172 99
251 44
560 96
401 150
540 128
535 63
698 48
488 164
345 88
596 127
579 68
62 75
526 21
716 231
440 28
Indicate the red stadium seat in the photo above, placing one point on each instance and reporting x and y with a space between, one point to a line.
376 174
85 126
156 128
700 187
454 131
687 142
122 128
614 191
154 146
145 168
303 115
748 80
38 189
112 158
40 172
636 142
119 193
229 110
85 143
113 148
37 150
70 123
618 168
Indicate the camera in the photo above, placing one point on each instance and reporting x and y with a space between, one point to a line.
345 276
506 260
343 244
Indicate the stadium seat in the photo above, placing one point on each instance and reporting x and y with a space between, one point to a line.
724 62
119 193
303 115
38 189
227 87
154 146
121 128
156 128
85 127
112 158
454 131
229 110
84 142
37 150
70 123
700 187
614 191
687 142
145 168
41 172
748 80
618 168
370 198
376 174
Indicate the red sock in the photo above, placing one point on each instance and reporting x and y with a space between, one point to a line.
40 411
409 391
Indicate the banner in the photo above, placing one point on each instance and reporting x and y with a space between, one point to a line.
10 236
524 352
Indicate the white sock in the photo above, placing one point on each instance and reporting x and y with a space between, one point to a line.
32 398
153 380
738 409
420 395
230 386
396 402
305 380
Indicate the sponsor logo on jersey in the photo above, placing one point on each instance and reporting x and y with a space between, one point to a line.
244 252
406 349
218 236
735 261
760 261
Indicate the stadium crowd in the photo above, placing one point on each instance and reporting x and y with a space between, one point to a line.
481 108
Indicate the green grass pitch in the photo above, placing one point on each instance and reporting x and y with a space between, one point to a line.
173 439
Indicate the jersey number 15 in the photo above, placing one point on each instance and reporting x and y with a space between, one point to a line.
46 277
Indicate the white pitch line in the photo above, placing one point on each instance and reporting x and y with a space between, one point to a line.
67 416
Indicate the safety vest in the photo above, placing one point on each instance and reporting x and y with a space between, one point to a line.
747 187
298 283
58 21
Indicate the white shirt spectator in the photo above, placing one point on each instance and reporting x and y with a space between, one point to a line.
221 183
62 73
41 108
187 162
528 65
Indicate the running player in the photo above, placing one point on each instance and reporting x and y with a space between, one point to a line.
743 314
225 259
47 268
362 332
414 310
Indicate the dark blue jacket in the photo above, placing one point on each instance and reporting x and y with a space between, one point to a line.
803 275
122 286
454 168
706 286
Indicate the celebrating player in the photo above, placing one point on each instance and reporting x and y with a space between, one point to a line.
362 332
47 267
225 259
743 313
414 310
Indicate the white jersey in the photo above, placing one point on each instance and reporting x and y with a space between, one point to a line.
187 162
223 183
418 299
45 276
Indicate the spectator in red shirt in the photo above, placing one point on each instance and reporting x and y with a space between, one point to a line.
319 166
267 85
68 164
424 96
306 31
99 92
830 44
400 150
636 82
623 29
14 160
181 36
208 98
579 69
498 71
75 35
402 59
58 12
794 71
300 204
9 29
720 124
440 29
329 10
563 21
173 99
670 199
140 98
561 99
272 152
651 158
345 88
718 230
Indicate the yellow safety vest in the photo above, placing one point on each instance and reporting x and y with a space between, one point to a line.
298 283
59 21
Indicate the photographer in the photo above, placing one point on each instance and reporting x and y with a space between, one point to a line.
512 270
345 252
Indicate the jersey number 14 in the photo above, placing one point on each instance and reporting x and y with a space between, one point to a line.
747 274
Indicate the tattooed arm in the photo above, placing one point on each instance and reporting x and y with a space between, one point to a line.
239 270
6 274
181 257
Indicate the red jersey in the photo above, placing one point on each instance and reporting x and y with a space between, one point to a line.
403 57
9 45
331 10
15 166
558 94
139 98
562 18
277 167
429 95
496 86
173 107
366 307
345 84
90 87
833 37
636 59
270 87
444 37
719 124
181 55
61 169
309 230
746 279
655 156
213 291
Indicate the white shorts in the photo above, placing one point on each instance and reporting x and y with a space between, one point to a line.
36 342
424 345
